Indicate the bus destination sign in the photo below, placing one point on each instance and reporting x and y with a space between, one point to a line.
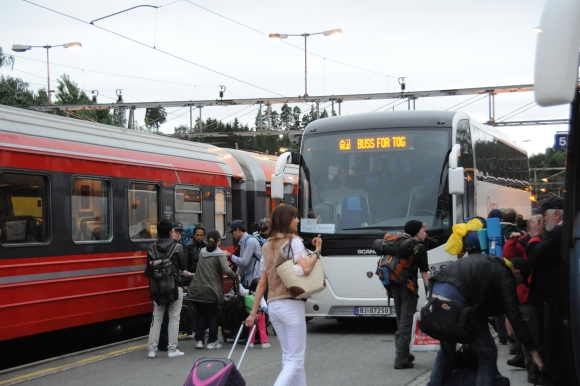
376 143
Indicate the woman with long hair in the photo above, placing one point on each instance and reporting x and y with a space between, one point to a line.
286 313
206 289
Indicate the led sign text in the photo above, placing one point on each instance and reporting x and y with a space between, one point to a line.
394 142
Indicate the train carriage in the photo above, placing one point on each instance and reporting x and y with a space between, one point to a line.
79 204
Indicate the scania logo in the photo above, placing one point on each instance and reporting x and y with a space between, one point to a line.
366 252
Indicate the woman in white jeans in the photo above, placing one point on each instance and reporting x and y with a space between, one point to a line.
286 313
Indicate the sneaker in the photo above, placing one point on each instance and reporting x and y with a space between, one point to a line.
251 345
199 344
404 365
211 346
176 353
151 354
190 336
266 345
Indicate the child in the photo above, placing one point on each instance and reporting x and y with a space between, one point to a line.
261 318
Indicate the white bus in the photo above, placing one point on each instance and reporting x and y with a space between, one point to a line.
363 175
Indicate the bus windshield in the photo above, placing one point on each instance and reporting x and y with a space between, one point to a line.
354 181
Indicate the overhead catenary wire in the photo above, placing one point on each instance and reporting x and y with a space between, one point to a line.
515 112
156 49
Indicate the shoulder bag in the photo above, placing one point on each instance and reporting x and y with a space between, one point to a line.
301 287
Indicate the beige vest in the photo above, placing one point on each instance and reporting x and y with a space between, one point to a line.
273 256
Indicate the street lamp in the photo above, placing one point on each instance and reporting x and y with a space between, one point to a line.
285 36
23 48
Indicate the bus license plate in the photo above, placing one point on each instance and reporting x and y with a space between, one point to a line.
372 311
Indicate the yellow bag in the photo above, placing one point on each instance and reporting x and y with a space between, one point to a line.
455 242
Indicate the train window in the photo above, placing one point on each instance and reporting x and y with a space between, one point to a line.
220 211
187 205
143 200
24 208
91 208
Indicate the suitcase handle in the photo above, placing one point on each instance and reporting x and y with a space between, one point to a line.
247 343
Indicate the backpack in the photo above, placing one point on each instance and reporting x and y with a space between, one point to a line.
249 302
163 278
260 239
397 261
187 234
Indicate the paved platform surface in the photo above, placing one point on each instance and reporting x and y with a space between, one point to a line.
517 376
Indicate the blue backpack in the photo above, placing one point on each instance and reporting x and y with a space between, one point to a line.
187 234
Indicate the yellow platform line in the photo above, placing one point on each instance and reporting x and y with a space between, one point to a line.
82 362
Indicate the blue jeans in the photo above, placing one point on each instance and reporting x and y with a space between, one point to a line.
206 317
486 350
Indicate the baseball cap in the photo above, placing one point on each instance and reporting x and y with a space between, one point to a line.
235 225
177 226
553 202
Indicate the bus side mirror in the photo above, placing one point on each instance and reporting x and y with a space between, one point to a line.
556 67
455 177
277 182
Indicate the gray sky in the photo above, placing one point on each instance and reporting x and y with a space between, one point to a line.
202 44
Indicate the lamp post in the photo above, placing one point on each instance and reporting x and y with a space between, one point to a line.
23 48
305 35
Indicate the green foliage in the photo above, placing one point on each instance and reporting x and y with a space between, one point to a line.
542 163
155 117
15 92
6 60
69 93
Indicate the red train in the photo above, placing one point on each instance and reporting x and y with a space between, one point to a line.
79 204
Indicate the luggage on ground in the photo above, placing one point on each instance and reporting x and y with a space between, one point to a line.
233 313
219 371
187 317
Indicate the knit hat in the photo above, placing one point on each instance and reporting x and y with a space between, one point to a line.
412 227
495 213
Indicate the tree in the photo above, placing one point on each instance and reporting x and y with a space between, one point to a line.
296 116
182 129
15 92
286 117
69 93
6 60
155 117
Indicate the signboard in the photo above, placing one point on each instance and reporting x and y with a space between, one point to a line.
560 141
392 142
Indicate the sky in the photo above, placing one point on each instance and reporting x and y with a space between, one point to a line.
186 49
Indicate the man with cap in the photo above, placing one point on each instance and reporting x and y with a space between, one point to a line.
250 252
488 284
544 252
406 297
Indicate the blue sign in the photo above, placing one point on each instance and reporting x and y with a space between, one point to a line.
560 141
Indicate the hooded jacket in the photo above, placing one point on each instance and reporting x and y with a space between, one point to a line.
489 285
207 284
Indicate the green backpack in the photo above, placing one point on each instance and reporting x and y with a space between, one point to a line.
249 302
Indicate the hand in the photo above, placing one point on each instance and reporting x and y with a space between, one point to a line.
515 234
536 228
250 321
537 360
317 242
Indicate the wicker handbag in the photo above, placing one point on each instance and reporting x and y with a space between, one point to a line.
301 287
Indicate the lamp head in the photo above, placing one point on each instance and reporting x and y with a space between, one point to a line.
72 44
336 31
20 47
278 36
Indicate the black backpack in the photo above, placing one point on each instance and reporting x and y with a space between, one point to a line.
163 278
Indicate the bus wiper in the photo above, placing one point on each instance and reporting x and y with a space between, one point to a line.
384 227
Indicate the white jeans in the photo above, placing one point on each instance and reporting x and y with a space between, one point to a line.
173 330
288 318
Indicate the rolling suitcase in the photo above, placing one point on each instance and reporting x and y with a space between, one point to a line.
187 317
219 371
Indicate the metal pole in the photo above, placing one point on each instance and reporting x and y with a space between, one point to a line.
414 103
191 119
200 120
333 108
305 68
268 110
339 110
408 103
260 116
48 74
317 109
